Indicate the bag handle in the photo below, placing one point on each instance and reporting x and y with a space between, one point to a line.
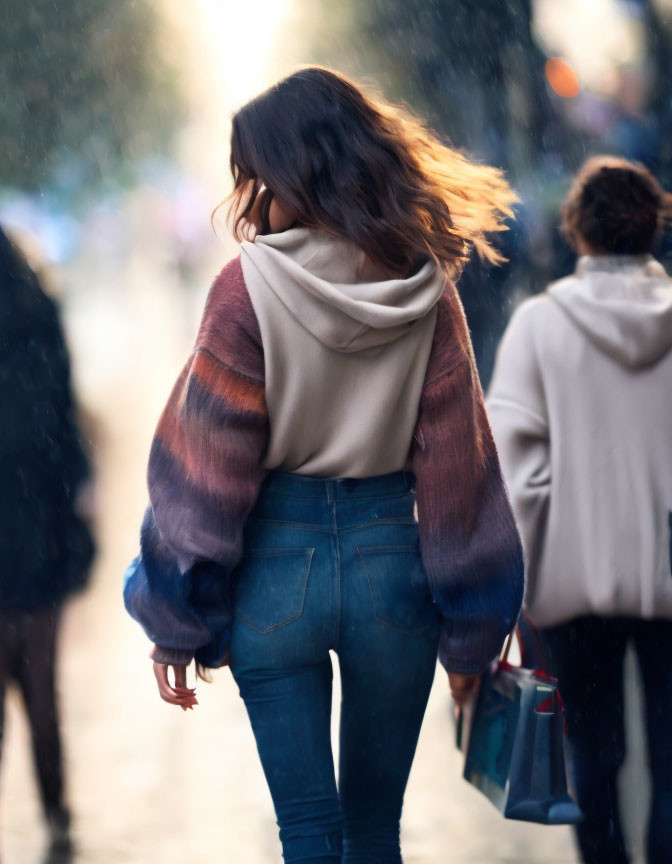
539 672
504 657
532 655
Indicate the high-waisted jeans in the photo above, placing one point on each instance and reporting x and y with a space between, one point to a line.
334 565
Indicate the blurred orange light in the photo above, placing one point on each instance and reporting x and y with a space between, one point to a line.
562 78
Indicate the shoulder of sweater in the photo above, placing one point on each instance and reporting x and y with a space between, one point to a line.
451 344
229 328
535 310
526 335
228 298
451 322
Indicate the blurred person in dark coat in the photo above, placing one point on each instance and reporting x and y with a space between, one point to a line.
46 547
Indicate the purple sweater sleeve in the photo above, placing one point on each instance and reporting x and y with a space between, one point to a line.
205 471
470 546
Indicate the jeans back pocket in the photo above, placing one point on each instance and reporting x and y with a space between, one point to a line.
399 588
271 587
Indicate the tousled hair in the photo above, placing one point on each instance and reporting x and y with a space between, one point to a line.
615 207
361 169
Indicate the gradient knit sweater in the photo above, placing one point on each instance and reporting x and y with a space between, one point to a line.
207 465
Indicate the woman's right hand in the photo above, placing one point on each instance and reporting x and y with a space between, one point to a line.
180 694
463 687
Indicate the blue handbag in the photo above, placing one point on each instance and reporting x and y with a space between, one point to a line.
513 740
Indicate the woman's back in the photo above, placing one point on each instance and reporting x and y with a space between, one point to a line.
345 353
594 362
581 412
340 372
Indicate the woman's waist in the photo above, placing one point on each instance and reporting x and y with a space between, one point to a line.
331 503
337 488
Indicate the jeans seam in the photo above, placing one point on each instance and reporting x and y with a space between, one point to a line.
326 529
337 625
305 526
337 548
385 497
270 552
328 495
402 520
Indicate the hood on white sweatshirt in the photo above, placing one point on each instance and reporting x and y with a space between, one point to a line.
623 304
337 293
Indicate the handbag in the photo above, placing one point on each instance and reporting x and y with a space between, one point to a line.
513 738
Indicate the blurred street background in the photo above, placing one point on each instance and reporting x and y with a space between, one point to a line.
113 154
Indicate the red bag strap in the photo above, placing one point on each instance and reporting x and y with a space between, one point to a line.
540 674
538 659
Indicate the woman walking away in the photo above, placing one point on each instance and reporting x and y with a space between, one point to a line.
581 410
331 387
46 548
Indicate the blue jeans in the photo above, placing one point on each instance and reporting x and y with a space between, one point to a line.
586 655
334 565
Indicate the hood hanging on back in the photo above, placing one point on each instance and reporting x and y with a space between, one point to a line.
337 293
623 304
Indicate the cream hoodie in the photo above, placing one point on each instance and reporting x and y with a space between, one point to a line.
581 410
345 353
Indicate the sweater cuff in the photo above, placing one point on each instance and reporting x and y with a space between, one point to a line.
171 656
461 667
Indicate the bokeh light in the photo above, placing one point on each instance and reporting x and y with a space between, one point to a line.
562 78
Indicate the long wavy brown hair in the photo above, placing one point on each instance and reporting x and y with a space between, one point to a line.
351 164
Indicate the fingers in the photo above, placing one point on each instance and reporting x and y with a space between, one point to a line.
180 677
460 697
180 694
181 682
463 687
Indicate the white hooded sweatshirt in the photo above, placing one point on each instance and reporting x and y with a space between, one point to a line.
581 410
345 352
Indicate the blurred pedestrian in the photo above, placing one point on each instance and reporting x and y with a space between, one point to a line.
332 361
581 407
46 547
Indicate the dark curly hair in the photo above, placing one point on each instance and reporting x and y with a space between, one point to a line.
359 168
615 207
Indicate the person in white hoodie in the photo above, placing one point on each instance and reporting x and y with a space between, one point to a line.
581 410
